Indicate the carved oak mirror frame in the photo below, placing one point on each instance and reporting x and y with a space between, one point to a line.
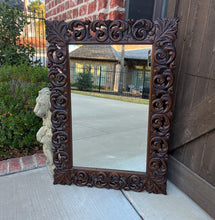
161 34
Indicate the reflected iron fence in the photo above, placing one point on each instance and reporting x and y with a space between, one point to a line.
134 83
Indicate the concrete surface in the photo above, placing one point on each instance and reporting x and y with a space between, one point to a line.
31 195
175 205
109 133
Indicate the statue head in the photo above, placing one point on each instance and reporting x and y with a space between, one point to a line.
43 103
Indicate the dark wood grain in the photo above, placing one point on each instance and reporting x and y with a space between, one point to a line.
161 34
193 185
157 9
198 156
172 7
192 88
183 12
192 133
206 66
196 123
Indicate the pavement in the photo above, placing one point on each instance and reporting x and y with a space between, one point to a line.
31 194
109 133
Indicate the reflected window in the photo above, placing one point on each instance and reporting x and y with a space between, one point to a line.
101 75
138 9
98 73
137 76
146 82
78 68
82 68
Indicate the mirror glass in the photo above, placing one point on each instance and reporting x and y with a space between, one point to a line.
110 90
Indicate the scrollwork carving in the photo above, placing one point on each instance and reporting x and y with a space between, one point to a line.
81 178
158 165
136 183
142 29
164 80
161 34
58 78
60 158
158 147
100 180
111 31
59 118
161 103
117 30
116 181
100 29
78 30
160 124
58 98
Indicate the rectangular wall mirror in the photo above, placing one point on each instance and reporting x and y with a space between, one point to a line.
104 142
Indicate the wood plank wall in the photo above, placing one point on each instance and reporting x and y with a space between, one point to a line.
193 130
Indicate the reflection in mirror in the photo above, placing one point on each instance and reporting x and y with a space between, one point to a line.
108 131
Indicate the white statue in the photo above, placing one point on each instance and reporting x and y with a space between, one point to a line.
44 135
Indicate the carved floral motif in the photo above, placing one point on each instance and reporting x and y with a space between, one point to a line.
161 34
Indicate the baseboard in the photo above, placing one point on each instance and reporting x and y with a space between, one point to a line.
193 185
